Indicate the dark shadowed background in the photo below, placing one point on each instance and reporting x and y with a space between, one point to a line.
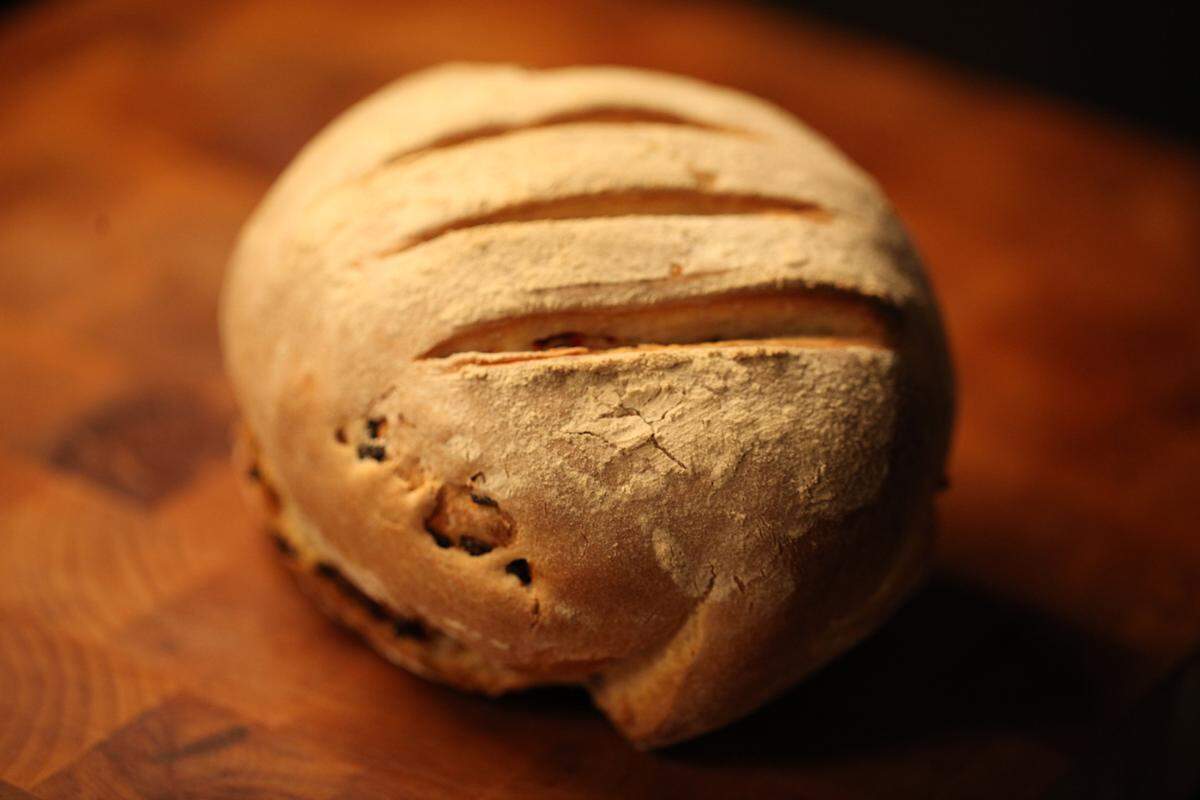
1135 62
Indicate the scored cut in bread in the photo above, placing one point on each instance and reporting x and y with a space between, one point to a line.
591 376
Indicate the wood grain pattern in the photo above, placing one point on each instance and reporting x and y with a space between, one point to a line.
150 644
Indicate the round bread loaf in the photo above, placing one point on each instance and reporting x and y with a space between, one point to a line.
590 376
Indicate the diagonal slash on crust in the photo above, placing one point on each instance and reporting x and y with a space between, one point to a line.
804 318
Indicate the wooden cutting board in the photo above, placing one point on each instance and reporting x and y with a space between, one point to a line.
151 646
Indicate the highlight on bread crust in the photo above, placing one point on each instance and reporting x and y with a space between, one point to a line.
520 353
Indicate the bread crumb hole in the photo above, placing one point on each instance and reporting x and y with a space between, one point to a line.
483 500
574 339
469 520
474 546
283 545
520 568
408 628
270 497
372 451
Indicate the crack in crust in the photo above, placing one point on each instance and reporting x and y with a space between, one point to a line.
600 114
622 203
796 318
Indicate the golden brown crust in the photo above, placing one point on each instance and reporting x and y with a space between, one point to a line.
626 380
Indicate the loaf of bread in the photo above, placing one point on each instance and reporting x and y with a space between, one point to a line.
590 376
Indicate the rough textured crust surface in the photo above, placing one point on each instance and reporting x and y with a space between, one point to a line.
593 376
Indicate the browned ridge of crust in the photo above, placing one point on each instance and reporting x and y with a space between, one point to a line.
625 203
606 114
819 317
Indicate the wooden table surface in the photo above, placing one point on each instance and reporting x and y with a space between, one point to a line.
151 646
